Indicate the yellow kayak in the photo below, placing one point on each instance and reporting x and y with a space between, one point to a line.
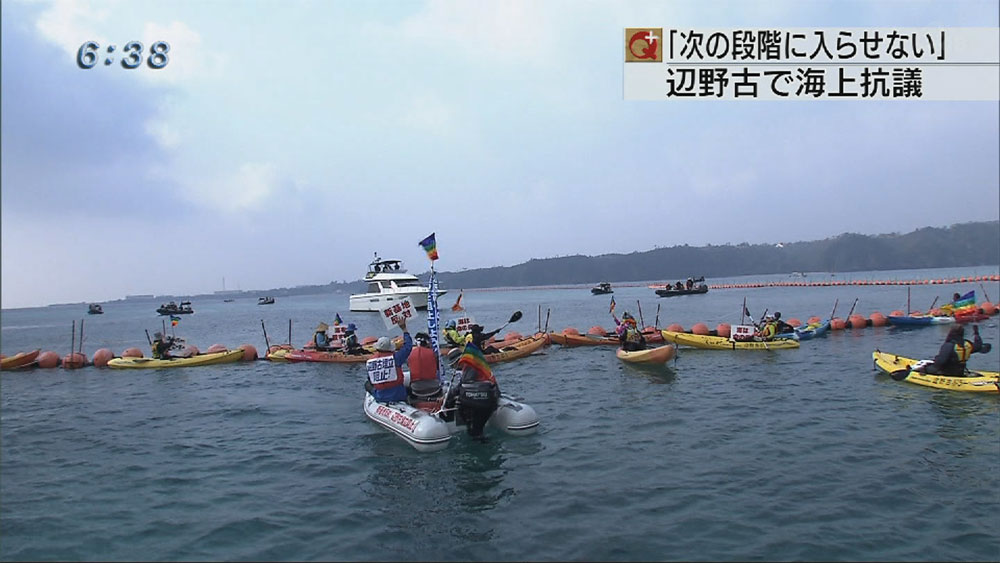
226 357
658 355
723 343
899 368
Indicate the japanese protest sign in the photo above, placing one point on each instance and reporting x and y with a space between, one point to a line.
398 311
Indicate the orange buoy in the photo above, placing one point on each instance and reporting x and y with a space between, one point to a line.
571 330
676 327
837 324
249 352
915 313
857 321
988 308
724 330
814 319
47 359
102 356
132 353
596 330
897 313
878 319
794 322
700 328
74 360
215 348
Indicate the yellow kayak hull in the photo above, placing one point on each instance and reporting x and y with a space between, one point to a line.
721 343
978 382
226 357
658 355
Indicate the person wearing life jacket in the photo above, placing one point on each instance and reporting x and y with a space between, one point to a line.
385 369
320 339
781 327
628 332
161 346
955 351
424 381
452 336
351 345
768 329
481 339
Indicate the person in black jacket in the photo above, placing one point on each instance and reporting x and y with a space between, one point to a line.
955 351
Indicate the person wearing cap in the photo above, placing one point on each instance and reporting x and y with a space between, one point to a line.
955 351
161 346
628 332
385 369
781 327
481 339
351 345
768 329
452 336
320 339
423 363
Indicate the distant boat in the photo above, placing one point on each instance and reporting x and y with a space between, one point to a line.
388 284
602 288
95 309
228 300
265 300
174 309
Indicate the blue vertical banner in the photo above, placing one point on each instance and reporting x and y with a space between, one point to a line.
433 321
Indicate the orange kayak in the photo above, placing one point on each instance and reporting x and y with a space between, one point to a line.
658 355
570 340
324 356
19 360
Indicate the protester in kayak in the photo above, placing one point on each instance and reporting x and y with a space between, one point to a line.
481 339
161 346
628 332
955 351
351 345
320 339
768 329
385 369
452 336
781 327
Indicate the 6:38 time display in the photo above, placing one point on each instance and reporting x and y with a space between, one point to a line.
89 55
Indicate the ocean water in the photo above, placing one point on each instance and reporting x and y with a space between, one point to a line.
804 454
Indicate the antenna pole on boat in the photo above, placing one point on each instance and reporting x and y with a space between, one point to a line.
656 322
743 313
266 343
72 342
81 336
637 304
539 317
289 331
547 312
907 301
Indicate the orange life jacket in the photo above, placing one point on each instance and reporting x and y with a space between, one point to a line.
423 364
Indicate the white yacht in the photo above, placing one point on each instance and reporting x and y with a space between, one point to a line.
388 283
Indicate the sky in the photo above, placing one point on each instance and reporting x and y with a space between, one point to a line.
284 143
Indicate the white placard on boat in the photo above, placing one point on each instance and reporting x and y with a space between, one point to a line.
741 333
464 323
381 370
398 311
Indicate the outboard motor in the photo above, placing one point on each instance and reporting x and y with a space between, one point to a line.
476 402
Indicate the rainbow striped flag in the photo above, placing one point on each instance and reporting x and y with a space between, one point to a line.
174 320
336 320
430 247
473 358
966 305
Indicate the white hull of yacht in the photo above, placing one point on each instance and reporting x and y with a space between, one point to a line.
374 302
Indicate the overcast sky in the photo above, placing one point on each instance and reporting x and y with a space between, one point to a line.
285 142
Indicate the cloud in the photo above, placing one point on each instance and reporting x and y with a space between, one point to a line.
69 23
246 188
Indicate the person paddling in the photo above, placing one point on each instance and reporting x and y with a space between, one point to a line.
628 332
955 352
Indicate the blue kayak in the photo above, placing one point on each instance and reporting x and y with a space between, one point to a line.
812 330
919 320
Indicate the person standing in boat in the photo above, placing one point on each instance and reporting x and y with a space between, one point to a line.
955 351
628 332
385 369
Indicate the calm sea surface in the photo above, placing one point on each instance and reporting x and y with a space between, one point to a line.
801 454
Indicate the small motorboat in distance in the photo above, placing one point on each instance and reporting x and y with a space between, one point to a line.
265 300
174 309
602 288
95 309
